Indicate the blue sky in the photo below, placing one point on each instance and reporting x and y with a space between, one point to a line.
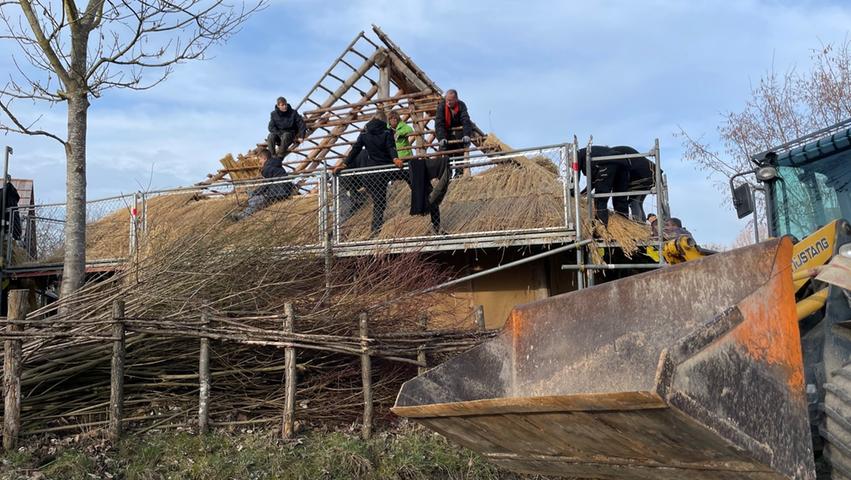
533 72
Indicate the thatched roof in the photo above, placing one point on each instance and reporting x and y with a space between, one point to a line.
518 195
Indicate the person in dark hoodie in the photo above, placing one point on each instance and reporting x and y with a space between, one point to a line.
285 127
265 195
12 197
608 176
642 175
380 148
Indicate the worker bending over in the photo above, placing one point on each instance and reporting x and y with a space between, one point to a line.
607 176
285 127
380 148
265 195
642 175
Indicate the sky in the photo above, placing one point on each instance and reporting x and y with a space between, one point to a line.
535 73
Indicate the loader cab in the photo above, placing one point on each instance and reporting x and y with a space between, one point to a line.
807 183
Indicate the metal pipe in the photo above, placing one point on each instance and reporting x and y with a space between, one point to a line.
660 200
500 234
625 156
625 194
755 216
590 194
335 188
323 227
565 179
504 267
611 266
577 220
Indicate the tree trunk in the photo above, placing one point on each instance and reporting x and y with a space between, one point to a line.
74 267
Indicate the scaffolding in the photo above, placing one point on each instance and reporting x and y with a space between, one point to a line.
585 271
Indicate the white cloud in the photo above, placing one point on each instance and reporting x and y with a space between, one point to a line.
537 72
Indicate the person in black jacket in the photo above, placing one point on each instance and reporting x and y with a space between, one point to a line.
452 125
380 148
265 195
453 129
642 175
608 176
285 127
12 197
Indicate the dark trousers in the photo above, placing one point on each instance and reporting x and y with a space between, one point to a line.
373 184
426 198
611 177
265 195
279 143
636 202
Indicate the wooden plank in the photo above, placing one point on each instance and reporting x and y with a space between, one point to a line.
609 444
421 354
480 318
288 429
204 379
558 403
17 310
366 377
116 385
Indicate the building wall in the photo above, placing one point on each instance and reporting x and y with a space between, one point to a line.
501 291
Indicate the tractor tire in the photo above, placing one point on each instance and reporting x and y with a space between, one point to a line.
836 426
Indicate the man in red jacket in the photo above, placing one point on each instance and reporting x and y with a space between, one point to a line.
451 124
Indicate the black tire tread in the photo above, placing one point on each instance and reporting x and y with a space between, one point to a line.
836 429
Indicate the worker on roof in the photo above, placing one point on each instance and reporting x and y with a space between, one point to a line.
453 129
286 126
642 175
269 193
452 125
607 176
401 134
380 148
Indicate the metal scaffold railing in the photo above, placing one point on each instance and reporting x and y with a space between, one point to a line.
492 200
585 271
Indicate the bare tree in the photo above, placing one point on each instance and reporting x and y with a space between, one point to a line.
71 54
782 107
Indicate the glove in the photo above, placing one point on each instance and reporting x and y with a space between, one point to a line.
443 143
398 162
465 140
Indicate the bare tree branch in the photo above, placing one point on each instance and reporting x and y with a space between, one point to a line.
21 128
75 54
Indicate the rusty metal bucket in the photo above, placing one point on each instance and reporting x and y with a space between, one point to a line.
693 371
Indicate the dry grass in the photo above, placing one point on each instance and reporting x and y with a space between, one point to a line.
518 195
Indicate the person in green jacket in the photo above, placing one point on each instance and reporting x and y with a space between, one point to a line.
401 131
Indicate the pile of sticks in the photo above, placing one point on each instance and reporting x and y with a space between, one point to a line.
268 323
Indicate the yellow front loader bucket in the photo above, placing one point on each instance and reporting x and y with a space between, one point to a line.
690 372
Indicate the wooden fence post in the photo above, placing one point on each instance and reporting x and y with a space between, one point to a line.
480 317
288 428
116 386
366 376
17 310
204 378
421 354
